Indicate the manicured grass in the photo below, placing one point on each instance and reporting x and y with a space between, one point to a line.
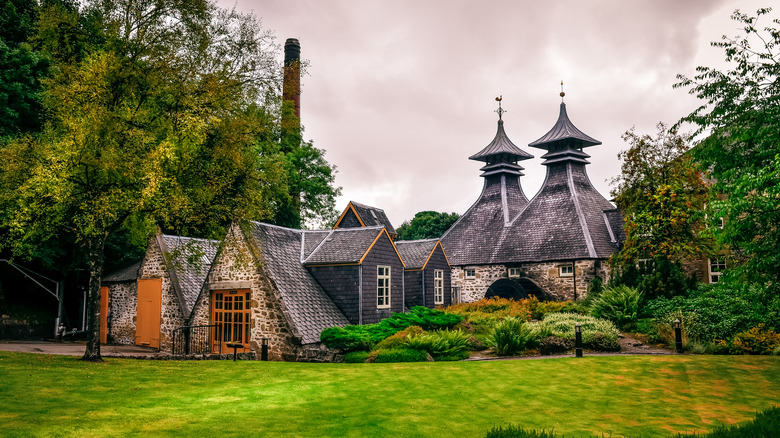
44 395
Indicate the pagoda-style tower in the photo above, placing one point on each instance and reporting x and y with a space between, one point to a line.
501 200
553 245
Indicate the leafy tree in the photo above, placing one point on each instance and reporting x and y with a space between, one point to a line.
662 195
21 68
161 122
426 225
740 116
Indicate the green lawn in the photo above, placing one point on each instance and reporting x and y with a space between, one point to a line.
44 395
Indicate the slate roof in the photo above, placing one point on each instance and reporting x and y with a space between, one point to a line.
126 273
564 131
193 258
344 246
372 216
567 219
308 306
415 253
501 146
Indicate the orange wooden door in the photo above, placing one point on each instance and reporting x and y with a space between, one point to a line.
103 314
230 313
147 323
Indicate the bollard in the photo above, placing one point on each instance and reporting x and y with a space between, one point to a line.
678 336
578 340
264 349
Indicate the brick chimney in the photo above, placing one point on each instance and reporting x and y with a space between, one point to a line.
291 87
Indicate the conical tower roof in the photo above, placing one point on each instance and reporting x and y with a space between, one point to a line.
564 131
501 147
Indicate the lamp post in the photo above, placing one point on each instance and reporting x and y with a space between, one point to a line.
678 336
578 340
264 349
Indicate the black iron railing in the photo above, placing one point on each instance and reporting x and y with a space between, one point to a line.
195 339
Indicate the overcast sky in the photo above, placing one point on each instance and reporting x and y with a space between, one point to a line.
401 92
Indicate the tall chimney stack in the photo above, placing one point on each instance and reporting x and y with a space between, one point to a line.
291 87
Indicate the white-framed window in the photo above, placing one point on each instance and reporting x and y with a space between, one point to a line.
438 286
383 287
470 273
715 268
565 270
515 272
721 223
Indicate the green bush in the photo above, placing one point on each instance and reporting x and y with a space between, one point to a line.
440 343
720 311
364 337
619 304
555 345
356 357
398 355
602 342
510 337
562 325
757 340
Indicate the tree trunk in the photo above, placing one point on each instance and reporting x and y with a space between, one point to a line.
95 254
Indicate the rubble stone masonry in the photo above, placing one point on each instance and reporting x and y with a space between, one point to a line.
235 269
545 275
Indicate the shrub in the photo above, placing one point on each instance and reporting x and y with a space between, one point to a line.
440 343
397 340
452 357
562 325
721 310
602 342
363 337
555 345
399 355
476 344
349 338
510 337
757 340
356 357
619 304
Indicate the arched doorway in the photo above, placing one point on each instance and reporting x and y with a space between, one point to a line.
514 288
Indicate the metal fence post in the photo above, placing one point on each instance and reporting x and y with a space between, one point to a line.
578 340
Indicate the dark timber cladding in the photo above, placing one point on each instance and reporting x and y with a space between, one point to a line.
473 238
357 215
422 259
345 263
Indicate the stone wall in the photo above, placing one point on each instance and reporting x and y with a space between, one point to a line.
171 317
235 268
122 302
546 275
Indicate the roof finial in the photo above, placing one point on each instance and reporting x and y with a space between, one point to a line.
500 111
562 93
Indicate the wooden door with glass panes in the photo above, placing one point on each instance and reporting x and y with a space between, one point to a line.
230 314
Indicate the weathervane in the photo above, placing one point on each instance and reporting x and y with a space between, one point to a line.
562 93
500 111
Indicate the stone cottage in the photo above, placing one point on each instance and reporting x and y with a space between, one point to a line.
551 246
284 286
147 301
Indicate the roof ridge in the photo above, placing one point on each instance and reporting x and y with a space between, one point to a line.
317 248
580 214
